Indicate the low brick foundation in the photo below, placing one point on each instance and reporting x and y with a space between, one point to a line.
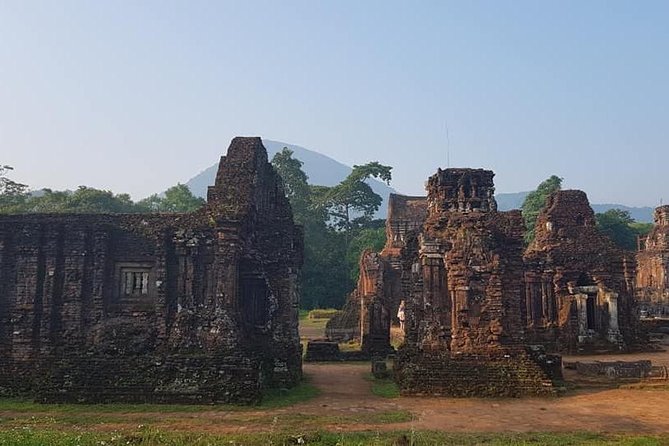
443 374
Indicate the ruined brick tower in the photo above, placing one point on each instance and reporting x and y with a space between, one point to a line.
197 307
579 292
652 279
372 306
462 275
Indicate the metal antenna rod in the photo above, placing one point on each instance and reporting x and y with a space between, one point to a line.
448 146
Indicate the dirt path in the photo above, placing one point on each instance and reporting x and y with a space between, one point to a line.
613 410
347 404
343 389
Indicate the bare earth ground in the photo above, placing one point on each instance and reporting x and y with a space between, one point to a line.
347 404
638 410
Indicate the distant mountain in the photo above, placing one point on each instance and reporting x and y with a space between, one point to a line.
325 171
322 170
640 214
506 202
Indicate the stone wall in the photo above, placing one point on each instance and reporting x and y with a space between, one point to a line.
579 287
181 307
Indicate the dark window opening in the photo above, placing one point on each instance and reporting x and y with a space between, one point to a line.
585 280
590 312
254 296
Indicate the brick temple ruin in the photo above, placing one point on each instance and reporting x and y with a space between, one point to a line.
579 286
463 281
372 307
652 278
576 286
197 307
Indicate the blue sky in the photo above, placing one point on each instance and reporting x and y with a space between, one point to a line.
135 96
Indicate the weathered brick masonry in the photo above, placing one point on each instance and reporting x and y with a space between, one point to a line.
372 306
198 307
652 279
462 275
579 287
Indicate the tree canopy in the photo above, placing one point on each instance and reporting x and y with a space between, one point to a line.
352 203
535 201
15 198
177 198
338 226
295 185
621 228
12 193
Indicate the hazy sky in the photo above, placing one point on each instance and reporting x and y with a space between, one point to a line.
134 96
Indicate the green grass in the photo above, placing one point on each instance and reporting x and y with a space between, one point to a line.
152 437
318 324
25 406
350 346
385 388
322 313
398 416
288 422
317 313
274 398
281 422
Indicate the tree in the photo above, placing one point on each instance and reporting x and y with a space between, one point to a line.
535 201
177 198
8 186
295 184
295 180
12 193
621 228
337 225
352 203
95 201
367 238
85 200
325 275
642 229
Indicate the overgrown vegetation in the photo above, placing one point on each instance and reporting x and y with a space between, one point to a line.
617 224
535 202
338 225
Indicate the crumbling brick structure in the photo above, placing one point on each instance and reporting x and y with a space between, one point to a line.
462 275
579 287
370 308
198 307
405 215
366 314
652 278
